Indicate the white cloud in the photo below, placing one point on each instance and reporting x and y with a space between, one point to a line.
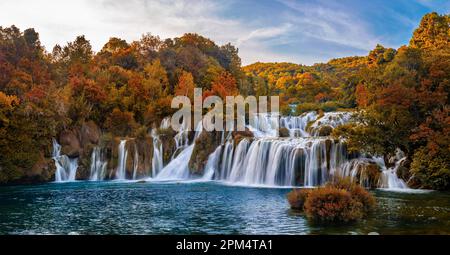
331 24
263 33
61 21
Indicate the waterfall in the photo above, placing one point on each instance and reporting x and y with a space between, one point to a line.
135 162
178 167
165 123
227 160
157 160
297 124
66 168
266 125
213 164
98 165
389 178
274 162
330 119
308 162
121 167
304 159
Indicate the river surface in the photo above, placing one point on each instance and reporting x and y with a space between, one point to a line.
199 208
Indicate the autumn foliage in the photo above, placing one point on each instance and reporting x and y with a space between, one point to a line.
338 201
128 87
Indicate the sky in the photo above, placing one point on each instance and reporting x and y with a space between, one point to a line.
299 31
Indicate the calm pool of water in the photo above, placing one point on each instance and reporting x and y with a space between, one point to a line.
198 208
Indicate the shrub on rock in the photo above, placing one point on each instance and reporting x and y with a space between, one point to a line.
338 201
297 198
328 204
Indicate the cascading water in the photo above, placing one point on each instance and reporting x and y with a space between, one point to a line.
98 165
157 160
389 178
66 168
178 167
330 119
135 162
213 164
121 167
297 124
276 162
304 159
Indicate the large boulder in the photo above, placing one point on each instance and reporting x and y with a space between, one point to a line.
403 170
143 146
90 133
205 144
140 151
239 135
166 136
42 171
70 144
284 132
79 142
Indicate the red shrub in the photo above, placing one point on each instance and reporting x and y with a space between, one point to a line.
297 198
338 201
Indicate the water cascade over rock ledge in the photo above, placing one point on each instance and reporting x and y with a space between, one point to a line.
304 156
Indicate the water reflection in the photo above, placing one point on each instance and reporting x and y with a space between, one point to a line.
199 208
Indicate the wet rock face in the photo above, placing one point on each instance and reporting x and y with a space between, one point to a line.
403 170
166 137
144 148
70 143
43 171
76 141
112 154
205 144
239 135
300 159
90 133
140 152
79 143
368 175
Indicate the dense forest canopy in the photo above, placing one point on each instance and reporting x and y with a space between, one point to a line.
127 88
